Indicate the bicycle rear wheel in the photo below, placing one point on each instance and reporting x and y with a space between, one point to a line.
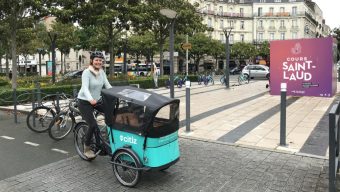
39 119
125 167
61 126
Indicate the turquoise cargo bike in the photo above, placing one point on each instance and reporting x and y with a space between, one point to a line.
141 132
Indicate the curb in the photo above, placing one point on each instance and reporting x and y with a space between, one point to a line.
254 147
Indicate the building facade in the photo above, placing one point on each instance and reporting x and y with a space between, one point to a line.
256 21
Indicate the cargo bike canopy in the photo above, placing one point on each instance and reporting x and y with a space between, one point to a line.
140 111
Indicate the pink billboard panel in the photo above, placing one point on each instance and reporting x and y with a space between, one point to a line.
306 65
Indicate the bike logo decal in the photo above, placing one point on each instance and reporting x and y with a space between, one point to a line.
131 139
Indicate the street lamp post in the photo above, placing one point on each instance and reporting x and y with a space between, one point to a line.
171 14
53 38
227 32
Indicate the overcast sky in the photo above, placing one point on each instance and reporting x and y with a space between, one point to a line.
331 11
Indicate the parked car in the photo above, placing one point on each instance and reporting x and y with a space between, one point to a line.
256 71
235 70
72 75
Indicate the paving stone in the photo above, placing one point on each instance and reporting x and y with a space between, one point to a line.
204 166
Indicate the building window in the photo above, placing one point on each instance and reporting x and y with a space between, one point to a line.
260 37
241 12
231 38
277 1
242 38
259 10
271 11
231 24
294 24
231 1
222 37
294 35
221 24
208 7
242 24
292 0
241 1
282 9
220 10
294 10
272 23
271 36
262 1
282 23
209 22
260 23
282 36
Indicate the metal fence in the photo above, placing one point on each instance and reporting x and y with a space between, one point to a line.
334 138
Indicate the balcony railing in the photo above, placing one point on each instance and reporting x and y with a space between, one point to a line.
225 14
282 28
271 28
260 28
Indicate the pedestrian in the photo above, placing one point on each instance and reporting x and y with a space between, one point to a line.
155 74
93 80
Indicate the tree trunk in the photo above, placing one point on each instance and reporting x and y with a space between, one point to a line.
161 65
61 62
7 66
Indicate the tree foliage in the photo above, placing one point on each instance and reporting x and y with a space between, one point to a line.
150 19
242 50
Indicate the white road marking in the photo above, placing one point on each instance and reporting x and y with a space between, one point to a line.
32 144
7 137
59 151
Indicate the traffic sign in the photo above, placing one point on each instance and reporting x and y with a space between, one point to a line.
186 46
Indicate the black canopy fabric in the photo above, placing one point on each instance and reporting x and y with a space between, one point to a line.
152 101
143 97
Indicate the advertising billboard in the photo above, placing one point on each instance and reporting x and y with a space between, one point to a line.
49 68
307 66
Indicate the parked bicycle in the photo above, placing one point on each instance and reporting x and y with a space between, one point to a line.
208 79
40 117
62 124
177 81
242 79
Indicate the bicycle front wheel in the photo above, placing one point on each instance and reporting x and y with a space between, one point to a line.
39 119
61 126
79 140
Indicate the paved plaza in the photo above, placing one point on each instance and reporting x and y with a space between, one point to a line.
233 145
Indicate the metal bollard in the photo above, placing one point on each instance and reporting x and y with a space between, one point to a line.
339 74
187 106
15 105
283 114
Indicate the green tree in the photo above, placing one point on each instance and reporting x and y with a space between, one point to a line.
336 32
217 50
150 19
264 50
66 39
242 50
18 14
200 47
108 17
